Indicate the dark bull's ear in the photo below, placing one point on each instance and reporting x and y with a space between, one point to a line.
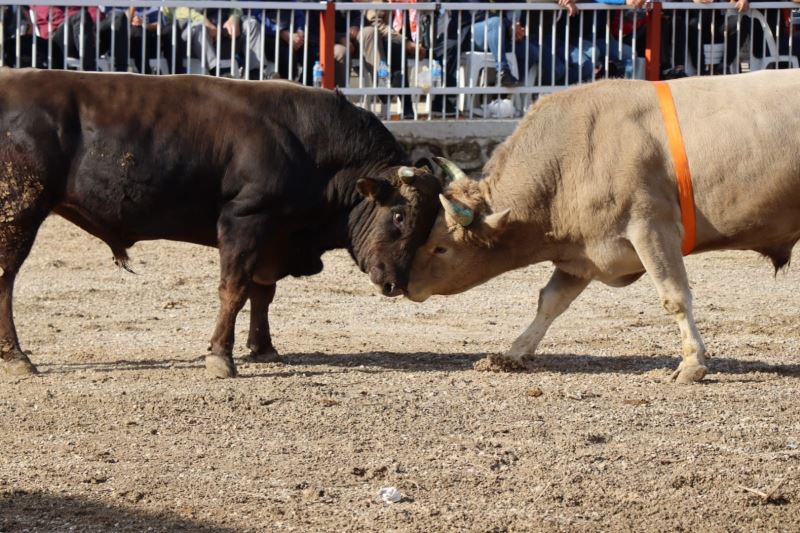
374 189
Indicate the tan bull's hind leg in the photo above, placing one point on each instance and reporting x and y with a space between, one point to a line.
660 253
554 299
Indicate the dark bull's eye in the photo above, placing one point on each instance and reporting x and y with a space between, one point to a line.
439 250
398 219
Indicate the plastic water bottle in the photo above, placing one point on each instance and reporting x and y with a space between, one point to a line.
316 74
436 74
383 75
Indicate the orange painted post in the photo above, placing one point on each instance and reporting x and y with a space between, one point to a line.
327 40
652 53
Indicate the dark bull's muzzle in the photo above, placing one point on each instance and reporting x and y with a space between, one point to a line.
387 284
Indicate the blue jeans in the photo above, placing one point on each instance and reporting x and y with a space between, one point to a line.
551 68
488 31
600 49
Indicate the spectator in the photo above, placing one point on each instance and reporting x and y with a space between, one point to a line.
588 50
223 27
346 39
380 41
71 39
280 36
526 27
144 26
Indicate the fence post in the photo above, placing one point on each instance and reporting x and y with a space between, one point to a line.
327 40
652 53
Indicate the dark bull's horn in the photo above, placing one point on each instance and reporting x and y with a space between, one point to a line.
406 174
450 168
462 215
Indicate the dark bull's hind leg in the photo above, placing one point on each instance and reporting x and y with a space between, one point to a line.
238 242
22 211
259 340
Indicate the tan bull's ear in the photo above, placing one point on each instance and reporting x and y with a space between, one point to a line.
498 221
372 188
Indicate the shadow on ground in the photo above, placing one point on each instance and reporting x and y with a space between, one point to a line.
40 512
438 362
546 362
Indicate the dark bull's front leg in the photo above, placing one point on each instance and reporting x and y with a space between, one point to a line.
239 238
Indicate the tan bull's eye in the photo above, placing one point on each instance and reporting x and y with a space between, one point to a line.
398 218
439 250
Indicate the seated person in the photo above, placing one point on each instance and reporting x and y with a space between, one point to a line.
63 27
281 35
145 41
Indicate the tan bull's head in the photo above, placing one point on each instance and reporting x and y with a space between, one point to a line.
460 251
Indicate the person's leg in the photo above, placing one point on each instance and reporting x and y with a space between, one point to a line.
622 55
549 66
81 36
200 45
115 27
373 48
252 48
136 49
340 68
59 52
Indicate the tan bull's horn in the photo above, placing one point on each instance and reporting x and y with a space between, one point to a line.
459 213
450 168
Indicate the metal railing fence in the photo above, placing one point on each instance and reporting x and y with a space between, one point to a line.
405 59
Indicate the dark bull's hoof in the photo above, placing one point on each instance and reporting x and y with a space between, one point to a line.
19 367
218 366
265 356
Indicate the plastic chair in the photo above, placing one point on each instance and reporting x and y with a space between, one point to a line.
474 68
771 53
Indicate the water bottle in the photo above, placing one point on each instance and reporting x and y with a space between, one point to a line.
383 75
436 74
316 74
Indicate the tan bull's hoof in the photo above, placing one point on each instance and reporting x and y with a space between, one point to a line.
19 367
500 363
218 366
689 374
267 356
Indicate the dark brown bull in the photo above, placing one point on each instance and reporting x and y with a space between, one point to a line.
271 173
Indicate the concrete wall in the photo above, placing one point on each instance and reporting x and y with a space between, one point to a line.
468 143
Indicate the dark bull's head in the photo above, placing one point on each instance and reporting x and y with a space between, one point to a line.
401 206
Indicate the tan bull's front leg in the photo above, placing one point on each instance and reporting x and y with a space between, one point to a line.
660 253
554 299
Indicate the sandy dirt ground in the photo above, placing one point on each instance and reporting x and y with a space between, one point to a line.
122 431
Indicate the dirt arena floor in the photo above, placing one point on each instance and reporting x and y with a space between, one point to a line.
123 432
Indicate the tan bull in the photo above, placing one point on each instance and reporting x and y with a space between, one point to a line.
587 181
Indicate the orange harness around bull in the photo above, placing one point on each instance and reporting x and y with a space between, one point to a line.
681 162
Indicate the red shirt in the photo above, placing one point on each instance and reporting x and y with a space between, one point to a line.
40 17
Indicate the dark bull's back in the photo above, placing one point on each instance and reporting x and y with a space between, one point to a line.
272 173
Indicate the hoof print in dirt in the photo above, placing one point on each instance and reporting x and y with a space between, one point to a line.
500 363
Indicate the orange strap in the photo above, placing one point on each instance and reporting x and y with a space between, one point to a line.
684 176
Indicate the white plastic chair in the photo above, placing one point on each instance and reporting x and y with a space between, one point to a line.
474 66
771 53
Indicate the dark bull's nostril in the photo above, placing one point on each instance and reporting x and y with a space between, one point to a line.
389 289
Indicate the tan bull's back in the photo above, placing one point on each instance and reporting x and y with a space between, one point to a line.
608 143
742 137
